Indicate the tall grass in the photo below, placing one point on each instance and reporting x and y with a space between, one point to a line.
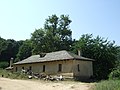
13 75
108 85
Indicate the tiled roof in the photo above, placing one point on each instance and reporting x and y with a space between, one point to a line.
53 56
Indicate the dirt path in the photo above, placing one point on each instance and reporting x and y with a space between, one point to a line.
13 84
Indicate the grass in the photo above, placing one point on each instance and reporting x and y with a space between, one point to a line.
12 75
107 85
103 85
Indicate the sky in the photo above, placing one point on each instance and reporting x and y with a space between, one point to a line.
20 18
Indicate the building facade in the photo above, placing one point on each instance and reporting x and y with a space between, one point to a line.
60 62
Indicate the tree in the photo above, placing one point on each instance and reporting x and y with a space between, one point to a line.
11 50
118 54
55 35
103 51
3 46
38 41
8 48
25 50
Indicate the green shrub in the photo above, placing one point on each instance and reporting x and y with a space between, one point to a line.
108 85
4 64
13 75
115 74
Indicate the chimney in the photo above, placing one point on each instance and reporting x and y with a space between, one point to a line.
42 55
79 53
11 62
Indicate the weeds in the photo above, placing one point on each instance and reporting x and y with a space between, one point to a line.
12 75
108 85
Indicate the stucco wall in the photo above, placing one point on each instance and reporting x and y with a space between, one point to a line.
50 67
85 68
68 66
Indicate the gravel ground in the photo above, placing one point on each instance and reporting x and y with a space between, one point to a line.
14 84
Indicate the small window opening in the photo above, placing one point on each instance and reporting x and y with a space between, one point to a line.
43 68
59 67
16 69
78 66
30 68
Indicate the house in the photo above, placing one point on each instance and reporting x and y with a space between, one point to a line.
59 62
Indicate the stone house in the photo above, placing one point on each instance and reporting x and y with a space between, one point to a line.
59 62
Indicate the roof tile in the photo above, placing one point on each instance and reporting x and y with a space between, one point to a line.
53 56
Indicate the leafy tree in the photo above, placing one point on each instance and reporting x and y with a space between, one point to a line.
38 41
2 46
11 49
25 50
55 35
103 51
8 48
118 56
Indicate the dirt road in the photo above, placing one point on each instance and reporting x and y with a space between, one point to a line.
13 84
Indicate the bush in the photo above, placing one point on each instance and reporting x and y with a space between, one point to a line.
115 74
14 75
4 64
108 85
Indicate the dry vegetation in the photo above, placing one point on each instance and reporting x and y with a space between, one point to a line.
14 84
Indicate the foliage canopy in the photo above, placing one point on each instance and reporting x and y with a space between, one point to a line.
103 51
55 35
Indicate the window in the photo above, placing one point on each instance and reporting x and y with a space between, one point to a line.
16 69
30 68
59 67
78 67
43 68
